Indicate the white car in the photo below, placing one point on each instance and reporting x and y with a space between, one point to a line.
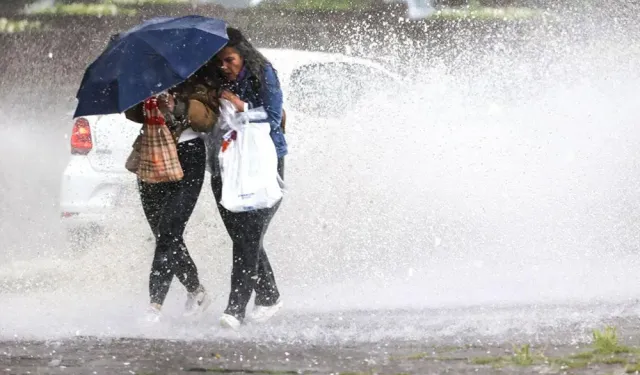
98 192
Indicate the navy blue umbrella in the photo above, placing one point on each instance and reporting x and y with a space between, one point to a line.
149 58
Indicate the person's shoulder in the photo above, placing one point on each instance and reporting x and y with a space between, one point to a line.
270 73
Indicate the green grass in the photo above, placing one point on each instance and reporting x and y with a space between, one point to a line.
613 361
436 350
145 2
487 13
119 7
81 9
486 360
473 11
606 349
427 356
569 363
321 5
13 26
446 349
419 356
606 342
221 370
522 356
588 356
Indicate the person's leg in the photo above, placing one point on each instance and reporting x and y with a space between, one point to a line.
267 293
150 204
240 290
177 211
246 251
247 232
153 197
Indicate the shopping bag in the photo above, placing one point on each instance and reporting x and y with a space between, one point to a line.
133 160
158 159
248 161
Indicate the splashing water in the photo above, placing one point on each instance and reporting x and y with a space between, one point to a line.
506 177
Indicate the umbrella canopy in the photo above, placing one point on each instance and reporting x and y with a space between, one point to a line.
147 59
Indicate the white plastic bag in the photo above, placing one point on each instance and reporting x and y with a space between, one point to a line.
248 161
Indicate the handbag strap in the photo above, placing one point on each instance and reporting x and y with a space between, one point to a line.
153 116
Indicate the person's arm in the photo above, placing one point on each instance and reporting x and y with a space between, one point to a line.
284 121
272 97
201 109
201 117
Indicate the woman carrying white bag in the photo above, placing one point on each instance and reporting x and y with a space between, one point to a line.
244 173
248 161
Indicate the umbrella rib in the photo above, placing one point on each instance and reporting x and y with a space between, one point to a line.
168 60
157 53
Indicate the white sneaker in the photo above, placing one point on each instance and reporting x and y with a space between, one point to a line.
197 302
261 314
229 321
153 314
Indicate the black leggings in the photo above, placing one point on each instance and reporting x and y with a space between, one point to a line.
168 207
251 268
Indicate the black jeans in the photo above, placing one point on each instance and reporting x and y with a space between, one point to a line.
168 206
251 268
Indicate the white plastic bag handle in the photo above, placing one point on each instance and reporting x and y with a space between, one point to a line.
231 119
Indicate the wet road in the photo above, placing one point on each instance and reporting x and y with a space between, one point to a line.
470 340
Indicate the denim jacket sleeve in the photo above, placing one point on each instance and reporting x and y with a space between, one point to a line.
272 98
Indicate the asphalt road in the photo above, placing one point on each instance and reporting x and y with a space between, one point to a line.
357 342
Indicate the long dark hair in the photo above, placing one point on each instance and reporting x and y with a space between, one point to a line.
254 61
